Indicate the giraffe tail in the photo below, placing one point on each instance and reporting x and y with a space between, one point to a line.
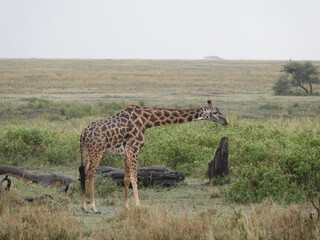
82 173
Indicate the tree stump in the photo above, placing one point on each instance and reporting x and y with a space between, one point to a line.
147 176
218 167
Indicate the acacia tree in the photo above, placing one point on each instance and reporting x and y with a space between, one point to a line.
297 74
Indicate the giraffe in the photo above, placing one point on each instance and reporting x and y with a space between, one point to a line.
123 134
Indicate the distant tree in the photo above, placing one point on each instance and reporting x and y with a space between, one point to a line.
297 74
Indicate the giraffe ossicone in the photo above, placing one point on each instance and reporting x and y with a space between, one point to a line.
123 134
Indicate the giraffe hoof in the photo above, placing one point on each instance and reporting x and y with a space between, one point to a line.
85 211
97 212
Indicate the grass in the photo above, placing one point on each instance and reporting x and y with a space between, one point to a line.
271 106
274 149
160 217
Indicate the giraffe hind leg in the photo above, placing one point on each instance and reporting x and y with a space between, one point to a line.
126 183
132 155
83 188
93 164
92 201
83 198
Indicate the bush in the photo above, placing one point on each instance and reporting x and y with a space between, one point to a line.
256 182
21 144
291 152
282 86
184 147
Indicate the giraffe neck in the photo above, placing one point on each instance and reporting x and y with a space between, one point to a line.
152 117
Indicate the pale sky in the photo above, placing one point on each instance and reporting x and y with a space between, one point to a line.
164 29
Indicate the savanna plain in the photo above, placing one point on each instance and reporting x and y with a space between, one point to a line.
273 188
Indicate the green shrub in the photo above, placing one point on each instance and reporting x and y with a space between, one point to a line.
186 148
256 182
282 86
104 187
290 151
22 141
21 144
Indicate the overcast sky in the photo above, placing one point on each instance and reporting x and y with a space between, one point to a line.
164 29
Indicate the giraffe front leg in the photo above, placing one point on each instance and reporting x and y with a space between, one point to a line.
92 202
132 156
133 179
132 165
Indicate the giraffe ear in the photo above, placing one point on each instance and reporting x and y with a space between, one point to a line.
210 104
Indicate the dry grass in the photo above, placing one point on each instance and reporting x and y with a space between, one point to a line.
237 87
264 221
40 220
200 216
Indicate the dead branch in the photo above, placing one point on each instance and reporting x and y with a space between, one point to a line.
43 180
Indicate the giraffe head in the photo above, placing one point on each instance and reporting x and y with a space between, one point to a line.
212 114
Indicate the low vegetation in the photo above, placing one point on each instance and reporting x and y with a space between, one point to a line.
277 158
273 154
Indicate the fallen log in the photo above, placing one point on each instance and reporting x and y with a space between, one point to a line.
147 176
43 180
